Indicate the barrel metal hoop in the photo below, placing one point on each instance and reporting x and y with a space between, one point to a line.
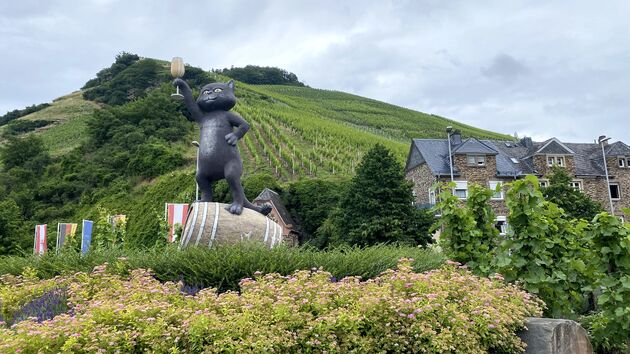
203 223
192 224
214 225
266 230
275 230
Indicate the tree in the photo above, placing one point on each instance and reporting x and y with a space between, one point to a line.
28 152
258 75
377 207
11 227
575 203
310 201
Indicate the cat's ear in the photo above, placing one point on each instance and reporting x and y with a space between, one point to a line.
231 84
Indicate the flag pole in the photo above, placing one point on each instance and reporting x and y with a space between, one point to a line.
57 249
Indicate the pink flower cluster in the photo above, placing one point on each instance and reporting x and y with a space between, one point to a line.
445 310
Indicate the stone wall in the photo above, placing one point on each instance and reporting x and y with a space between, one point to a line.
422 179
482 175
540 164
621 176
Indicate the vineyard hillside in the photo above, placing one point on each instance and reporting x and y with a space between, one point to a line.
295 131
122 145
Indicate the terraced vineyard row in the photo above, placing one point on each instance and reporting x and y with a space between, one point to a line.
307 132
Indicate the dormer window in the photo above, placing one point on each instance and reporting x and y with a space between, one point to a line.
624 162
555 160
476 160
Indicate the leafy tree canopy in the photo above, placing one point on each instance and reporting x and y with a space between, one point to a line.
377 206
575 203
261 75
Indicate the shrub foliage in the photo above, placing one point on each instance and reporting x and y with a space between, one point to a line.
442 311
578 267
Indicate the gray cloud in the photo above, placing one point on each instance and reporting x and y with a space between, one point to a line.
542 69
505 68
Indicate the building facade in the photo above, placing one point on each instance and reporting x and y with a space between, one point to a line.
279 214
493 162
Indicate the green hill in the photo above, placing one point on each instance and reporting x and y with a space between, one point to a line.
122 145
296 131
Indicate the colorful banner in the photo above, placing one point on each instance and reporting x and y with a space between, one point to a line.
40 239
175 214
64 230
86 236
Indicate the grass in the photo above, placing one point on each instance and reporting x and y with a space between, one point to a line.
224 267
69 115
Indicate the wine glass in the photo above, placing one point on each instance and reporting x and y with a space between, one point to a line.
177 71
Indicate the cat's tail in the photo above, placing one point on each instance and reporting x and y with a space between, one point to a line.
263 209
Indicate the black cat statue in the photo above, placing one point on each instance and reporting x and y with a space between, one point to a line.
218 155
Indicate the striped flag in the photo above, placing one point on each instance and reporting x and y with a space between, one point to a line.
64 230
40 239
86 236
175 214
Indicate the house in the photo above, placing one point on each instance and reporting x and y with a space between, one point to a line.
279 214
495 162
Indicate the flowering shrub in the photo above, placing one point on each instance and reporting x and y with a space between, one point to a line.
26 296
444 310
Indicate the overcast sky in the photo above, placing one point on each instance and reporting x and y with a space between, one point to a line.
538 68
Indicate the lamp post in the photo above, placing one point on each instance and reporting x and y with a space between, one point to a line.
195 143
449 130
601 140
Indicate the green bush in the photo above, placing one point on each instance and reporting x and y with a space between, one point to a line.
443 311
17 127
223 267
17 113
579 268
468 234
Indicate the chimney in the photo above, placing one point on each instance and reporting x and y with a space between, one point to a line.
527 142
456 138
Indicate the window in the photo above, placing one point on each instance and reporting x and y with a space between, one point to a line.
555 160
543 183
432 197
461 189
493 186
476 160
577 185
501 225
514 160
614 191
622 162
560 161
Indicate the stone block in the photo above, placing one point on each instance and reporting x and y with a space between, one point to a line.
555 336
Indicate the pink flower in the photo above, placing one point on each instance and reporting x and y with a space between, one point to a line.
411 315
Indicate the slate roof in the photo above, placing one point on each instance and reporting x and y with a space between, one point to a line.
513 158
617 149
474 146
268 195
435 153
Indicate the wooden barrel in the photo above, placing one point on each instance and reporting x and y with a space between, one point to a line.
209 224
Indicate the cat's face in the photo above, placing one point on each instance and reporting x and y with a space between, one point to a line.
217 96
